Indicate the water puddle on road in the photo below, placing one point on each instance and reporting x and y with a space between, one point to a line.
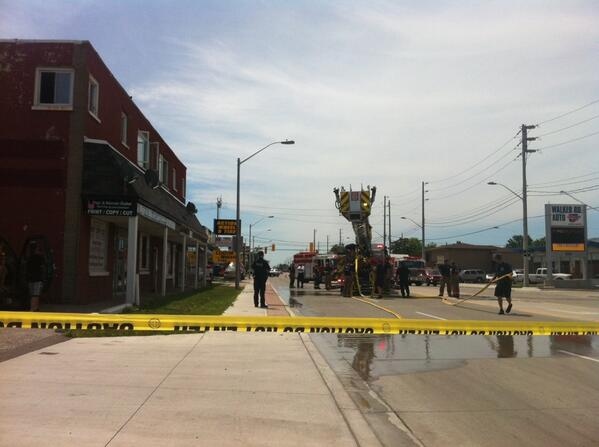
374 356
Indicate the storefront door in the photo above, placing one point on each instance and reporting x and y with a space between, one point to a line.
119 283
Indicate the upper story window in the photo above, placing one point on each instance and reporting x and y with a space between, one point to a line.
183 186
163 169
174 179
54 88
93 98
143 149
124 123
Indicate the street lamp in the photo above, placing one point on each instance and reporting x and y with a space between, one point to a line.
250 237
524 230
422 228
237 221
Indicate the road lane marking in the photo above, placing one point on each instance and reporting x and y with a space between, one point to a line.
431 316
573 312
578 355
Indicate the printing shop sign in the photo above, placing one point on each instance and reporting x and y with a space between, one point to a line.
111 207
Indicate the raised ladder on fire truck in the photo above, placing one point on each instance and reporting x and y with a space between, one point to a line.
355 206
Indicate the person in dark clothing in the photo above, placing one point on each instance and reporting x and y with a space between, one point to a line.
35 273
454 280
445 271
292 275
403 278
301 276
379 281
503 289
317 276
261 270
328 274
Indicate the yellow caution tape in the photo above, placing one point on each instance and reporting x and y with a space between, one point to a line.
336 325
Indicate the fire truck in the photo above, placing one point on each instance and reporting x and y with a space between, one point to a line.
311 259
355 206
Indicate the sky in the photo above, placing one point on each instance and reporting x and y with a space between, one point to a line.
386 94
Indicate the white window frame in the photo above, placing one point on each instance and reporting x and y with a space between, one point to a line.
37 105
124 129
97 227
144 255
155 147
163 170
174 180
143 163
96 97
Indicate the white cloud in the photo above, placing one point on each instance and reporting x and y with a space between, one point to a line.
374 93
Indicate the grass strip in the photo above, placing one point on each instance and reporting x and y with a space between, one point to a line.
212 300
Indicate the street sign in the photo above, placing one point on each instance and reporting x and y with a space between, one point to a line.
226 227
223 257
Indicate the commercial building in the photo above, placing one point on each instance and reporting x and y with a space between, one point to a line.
87 176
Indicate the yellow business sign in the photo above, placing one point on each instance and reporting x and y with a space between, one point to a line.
222 257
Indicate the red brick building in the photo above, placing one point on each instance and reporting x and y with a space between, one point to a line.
86 174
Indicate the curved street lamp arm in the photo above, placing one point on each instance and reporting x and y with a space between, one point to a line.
260 150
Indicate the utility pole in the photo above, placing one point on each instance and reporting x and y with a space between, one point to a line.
389 205
384 221
219 203
422 227
327 243
314 239
525 140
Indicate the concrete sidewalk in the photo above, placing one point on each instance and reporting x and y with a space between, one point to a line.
217 388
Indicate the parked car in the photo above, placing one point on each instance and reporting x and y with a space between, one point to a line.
472 275
518 275
230 271
274 272
489 276
433 276
417 276
541 275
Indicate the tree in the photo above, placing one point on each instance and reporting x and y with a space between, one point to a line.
337 249
411 246
539 244
516 241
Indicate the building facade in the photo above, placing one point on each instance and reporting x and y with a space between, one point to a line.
87 176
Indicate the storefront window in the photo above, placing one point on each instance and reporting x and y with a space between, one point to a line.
98 244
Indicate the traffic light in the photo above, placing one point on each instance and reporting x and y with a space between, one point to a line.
265 250
272 247
311 250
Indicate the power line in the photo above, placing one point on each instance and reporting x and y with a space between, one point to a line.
558 181
568 127
475 184
498 208
567 141
477 163
570 112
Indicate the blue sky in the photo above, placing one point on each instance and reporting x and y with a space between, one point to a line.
374 93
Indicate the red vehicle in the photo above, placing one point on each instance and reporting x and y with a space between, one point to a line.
432 276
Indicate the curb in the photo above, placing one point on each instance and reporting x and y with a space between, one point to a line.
356 423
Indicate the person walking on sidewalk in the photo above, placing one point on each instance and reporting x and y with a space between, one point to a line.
261 270
503 289
445 271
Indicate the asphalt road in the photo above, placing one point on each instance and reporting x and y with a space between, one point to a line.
467 390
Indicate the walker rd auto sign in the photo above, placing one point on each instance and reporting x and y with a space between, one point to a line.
225 227
107 207
566 225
